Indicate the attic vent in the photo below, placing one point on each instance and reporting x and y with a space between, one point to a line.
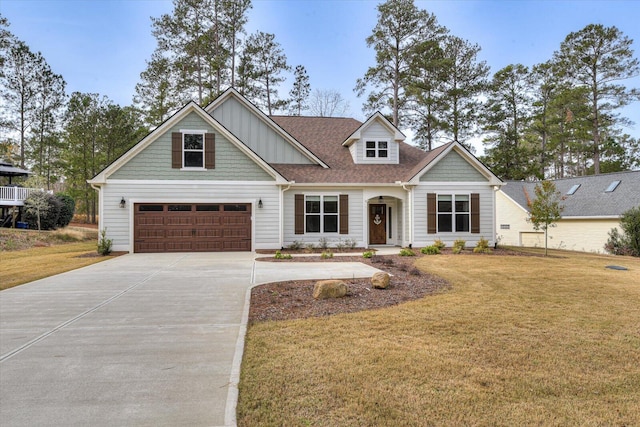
612 187
573 189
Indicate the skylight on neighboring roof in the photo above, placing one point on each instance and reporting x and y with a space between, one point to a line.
573 189
612 187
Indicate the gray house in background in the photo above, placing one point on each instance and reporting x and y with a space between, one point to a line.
593 205
230 178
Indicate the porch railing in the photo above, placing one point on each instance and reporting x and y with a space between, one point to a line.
15 196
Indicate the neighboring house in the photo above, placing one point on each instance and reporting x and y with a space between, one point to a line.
592 207
230 178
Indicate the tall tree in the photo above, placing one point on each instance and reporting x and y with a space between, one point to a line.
400 28
328 103
44 145
235 19
156 94
263 63
598 57
18 90
300 91
507 115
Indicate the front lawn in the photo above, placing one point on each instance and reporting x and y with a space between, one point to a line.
517 341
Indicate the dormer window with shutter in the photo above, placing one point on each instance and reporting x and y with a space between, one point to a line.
377 149
193 150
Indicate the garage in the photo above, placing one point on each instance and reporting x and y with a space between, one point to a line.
192 227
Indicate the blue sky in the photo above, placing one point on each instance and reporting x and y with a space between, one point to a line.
101 45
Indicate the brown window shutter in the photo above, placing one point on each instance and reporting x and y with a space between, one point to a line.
176 150
209 151
475 213
299 214
431 213
344 214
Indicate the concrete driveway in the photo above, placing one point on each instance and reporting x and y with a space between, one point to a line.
145 339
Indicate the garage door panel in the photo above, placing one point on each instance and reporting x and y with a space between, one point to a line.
192 227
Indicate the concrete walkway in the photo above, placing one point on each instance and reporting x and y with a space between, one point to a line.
145 339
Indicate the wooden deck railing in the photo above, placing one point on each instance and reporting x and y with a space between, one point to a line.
15 196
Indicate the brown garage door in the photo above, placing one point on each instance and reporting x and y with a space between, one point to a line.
163 227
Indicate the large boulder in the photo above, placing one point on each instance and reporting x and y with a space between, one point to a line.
380 280
330 289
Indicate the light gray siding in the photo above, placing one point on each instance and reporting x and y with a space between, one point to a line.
356 208
375 132
154 162
119 222
487 219
452 168
256 134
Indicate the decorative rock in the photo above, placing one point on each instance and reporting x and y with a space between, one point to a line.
330 289
380 280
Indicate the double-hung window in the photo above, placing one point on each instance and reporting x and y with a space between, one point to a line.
453 213
321 214
193 149
376 149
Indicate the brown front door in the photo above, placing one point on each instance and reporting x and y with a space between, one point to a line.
377 225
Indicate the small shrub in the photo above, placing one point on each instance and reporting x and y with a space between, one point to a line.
310 247
104 244
407 252
350 243
280 255
367 254
323 243
67 209
439 244
296 245
458 246
42 210
326 255
626 242
482 247
430 250
340 245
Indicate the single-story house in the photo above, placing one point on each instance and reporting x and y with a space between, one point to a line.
230 178
592 204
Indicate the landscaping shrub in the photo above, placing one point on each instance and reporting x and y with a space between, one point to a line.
407 252
104 244
280 255
458 246
482 247
367 254
323 243
350 243
295 245
326 255
42 210
430 250
627 242
439 244
67 209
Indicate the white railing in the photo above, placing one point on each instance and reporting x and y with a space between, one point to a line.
15 196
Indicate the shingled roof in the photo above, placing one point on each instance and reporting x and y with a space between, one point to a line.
591 198
324 137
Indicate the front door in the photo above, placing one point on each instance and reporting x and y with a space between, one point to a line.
377 225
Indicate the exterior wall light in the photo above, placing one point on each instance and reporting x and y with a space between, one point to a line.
123 203
260 203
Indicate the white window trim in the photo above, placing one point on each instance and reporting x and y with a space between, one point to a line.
321 213
193 132
453 212
377 148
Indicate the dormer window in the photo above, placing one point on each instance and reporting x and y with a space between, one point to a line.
376 149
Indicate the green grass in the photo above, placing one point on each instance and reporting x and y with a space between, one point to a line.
517 341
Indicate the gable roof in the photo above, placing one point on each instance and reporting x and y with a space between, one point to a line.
191 107
233 93
376 117
590 199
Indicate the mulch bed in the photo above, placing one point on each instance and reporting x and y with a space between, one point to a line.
294 299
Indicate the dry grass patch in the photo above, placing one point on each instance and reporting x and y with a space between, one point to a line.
47 253
517 341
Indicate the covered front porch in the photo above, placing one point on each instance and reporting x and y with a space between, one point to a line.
385 218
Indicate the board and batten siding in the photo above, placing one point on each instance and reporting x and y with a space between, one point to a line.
375 132
118 221
487 203
258 136
453 168
355 217
154 162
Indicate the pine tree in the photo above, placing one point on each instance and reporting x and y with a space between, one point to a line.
300 92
